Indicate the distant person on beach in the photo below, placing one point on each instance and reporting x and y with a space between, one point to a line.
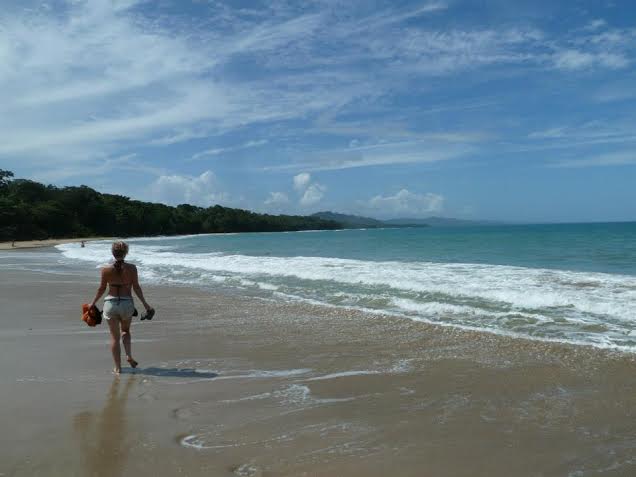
83 245
121 279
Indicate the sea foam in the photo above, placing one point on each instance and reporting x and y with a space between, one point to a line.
571 306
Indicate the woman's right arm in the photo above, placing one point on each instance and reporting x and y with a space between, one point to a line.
137 287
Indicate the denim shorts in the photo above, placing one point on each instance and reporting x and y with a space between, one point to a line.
118 308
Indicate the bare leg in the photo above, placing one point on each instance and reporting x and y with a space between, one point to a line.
113 325
125 339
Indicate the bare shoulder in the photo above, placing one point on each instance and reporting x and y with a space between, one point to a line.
105 273
132 268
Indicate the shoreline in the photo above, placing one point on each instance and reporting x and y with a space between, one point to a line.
459 328
230 384
25 244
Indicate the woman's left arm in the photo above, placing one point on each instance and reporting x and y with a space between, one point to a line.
102 288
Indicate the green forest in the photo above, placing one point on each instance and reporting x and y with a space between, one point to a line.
30 210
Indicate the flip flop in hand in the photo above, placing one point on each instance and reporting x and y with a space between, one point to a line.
148 315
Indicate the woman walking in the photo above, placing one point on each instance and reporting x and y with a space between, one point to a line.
121 279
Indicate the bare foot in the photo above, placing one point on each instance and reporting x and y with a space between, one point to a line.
117 371
132 362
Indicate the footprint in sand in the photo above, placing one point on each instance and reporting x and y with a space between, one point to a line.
183 414
247 470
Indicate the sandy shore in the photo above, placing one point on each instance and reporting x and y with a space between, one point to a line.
231 385
21 244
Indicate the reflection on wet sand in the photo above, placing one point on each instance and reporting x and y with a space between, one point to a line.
102 437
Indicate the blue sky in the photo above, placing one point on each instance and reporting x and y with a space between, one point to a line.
500 109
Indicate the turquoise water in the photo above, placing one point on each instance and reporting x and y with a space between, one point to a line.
574 283
607 248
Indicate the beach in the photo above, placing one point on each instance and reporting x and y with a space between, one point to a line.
230 384
374 238
21 244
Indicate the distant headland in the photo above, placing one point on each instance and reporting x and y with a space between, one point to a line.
356 221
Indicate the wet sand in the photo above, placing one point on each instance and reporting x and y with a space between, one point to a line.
234 385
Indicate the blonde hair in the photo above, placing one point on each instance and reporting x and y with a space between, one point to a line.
119 250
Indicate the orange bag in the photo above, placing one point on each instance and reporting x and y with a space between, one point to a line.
91 315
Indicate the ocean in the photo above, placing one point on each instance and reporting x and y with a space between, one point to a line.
571 283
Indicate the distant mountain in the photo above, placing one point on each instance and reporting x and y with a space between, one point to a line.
356 221
350 221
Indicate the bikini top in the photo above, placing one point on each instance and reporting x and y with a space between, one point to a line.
118 285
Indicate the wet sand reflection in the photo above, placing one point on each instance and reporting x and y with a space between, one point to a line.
102 437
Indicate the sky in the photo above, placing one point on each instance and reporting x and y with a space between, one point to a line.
508 110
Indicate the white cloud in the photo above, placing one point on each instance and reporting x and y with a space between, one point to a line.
386 18
301 181
95 74
179 135
444 52
314 194
101 167
104 76
602 160
575 60
267 36
595 24
225 150
551 133
608 49
202 190
87 80
611 131
436 148
311 192
30 139
406 202
277 199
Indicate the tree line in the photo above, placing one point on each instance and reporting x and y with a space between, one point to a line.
30 210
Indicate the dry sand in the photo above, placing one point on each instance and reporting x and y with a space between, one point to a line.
231 385
21 244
